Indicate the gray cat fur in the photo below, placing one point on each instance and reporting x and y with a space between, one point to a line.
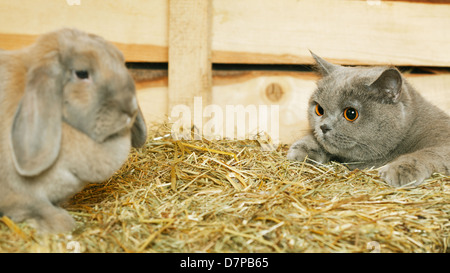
397 130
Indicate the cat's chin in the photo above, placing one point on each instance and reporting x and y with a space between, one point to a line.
350 152
336 148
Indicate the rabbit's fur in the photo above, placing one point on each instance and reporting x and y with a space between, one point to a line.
69 116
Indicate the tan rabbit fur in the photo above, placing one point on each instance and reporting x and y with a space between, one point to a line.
69 117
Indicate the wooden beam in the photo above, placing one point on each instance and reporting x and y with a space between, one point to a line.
189 53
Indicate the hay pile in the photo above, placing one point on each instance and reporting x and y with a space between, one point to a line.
230 196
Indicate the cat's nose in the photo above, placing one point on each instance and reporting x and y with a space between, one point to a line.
325 128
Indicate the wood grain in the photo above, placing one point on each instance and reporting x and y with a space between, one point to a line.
189 50
189 59
253 31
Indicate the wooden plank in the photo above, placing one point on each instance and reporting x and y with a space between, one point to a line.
253 31
138 27
131 52
289 90
419 1
346 32
189 53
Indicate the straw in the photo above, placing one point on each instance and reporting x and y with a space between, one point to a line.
235 196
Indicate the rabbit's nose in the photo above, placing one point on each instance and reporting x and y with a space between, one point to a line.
130 107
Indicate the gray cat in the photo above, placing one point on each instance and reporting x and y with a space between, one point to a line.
372 117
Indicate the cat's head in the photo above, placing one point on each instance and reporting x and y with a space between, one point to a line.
358 113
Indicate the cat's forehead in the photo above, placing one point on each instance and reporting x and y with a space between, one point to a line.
347 83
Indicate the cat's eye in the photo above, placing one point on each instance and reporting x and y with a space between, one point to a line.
319 110
82 74
351 114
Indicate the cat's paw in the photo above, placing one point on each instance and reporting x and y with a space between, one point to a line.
296 152
404 172
307 147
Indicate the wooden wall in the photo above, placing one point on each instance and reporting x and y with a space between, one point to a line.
190 35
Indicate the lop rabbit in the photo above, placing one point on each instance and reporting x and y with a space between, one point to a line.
69 116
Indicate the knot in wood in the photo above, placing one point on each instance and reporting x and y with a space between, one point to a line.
274 92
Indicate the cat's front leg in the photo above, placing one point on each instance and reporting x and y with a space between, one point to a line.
308 146
412 169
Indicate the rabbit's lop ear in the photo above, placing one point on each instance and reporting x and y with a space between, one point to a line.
36 129
138 131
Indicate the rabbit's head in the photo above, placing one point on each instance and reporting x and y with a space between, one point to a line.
80 79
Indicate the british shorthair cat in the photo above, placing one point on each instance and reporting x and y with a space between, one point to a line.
372 117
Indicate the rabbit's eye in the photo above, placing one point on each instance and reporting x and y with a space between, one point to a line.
82 74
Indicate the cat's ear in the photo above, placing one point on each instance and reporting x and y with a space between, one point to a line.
325 68
389 83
